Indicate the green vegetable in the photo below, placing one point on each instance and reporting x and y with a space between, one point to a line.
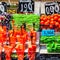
28 19
51 47
48 39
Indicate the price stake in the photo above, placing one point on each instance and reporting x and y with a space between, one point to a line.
51 8
26 6
49 32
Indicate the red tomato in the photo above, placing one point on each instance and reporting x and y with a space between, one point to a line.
59 20
46 23
48 17
52 16
55 18
51 26
56 24
52 22
45 19
42 22
59 15
59 26
55 15
41 18
52 19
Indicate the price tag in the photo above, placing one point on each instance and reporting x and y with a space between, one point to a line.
3 7
50 56
51 8
48 32
26 6
59 6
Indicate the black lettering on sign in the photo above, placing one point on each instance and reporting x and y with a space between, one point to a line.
51 8
26 6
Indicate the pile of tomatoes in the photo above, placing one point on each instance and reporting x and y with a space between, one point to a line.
50 22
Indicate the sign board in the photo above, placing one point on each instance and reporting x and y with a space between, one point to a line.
26 6
48 32
59 6
3 7
49 56
51 8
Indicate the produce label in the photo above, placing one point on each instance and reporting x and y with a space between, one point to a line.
49 57
3 7
51 8
49 32
26 6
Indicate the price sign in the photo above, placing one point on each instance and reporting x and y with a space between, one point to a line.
49 56
26 6
3 7
25 0
51 8
48 32
59 6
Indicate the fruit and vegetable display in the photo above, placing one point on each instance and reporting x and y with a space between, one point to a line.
52 43
28 19
48 39
54 47
15 40
50 22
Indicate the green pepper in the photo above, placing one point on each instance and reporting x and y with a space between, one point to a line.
51 47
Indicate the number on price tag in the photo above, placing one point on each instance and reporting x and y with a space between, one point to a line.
26 6
51 8
3 7
48 32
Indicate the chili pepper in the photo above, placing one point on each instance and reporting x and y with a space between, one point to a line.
20 51
8 50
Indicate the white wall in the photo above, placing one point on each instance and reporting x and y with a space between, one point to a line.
43 7
39 7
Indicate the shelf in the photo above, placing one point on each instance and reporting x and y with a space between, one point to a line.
44 51
43 44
